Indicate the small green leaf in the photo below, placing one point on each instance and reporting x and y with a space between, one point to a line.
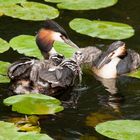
102 29
4 79
34 104
64 49
120 129
135 74
4 67
29 11
8 131
82 4
4 2
25 44
4 46
3 72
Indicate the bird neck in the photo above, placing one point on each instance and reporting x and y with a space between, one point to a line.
45 43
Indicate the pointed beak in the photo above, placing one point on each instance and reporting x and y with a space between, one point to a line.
104 61
70 43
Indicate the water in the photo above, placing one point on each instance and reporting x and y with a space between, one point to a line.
94 101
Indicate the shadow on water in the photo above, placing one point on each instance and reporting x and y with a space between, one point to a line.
96 100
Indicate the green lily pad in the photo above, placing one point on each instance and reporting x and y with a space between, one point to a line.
29 11
25 44
34 104
135 74
3 67
64 49
8 131
82 4
102 29
120 129
3 2
4 79
4 46
3 72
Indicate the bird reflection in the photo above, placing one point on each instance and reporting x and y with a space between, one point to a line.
114 99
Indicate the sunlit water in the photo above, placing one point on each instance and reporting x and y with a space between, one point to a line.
94 101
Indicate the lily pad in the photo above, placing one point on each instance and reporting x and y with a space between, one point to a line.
25 44
3 72
4 79
8 131
3 67
82 4
102 29
28 124
64 49
29 11
135 74
120 129
34 104
4 46
2 2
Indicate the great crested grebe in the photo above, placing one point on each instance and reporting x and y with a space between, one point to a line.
117 60
48 34
49 75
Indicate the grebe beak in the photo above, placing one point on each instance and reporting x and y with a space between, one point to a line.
70 43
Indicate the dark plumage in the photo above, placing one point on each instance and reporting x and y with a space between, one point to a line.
116 60
49 75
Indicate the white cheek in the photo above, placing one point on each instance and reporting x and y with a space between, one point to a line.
56 37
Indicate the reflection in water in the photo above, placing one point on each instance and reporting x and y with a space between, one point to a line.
114 99
70 98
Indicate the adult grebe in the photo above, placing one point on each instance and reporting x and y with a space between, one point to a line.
45 76
117 60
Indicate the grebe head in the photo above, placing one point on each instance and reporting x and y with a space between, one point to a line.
48 34
116 49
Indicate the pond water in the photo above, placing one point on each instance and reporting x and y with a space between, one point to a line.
94 101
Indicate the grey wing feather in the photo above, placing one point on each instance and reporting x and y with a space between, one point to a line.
59 77
20 69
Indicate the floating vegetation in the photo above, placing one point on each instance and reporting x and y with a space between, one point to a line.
8 131
83 4
120 129
3 72
34 104
27 10
102 29
4 46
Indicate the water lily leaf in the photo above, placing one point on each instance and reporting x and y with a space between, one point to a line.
29 11
27 124
8 131
64 49
25 44
3 67
4 46
102 29
34 104
4 79
3 72
120 129
82 4
135 74
4 2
